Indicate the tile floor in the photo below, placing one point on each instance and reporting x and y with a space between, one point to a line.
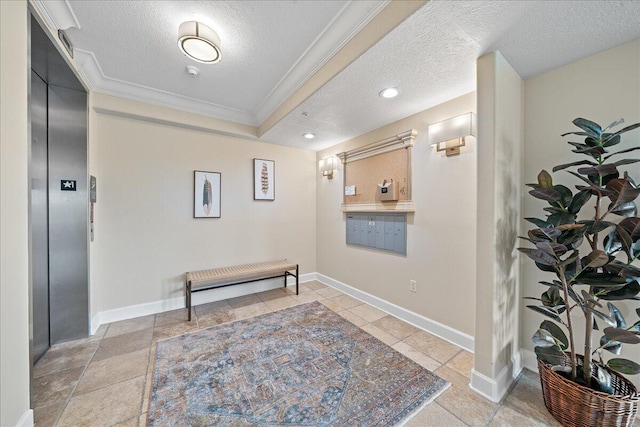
105 380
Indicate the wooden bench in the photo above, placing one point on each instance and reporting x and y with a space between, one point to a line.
203 280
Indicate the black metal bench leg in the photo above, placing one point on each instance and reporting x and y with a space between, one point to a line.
297 279
189 300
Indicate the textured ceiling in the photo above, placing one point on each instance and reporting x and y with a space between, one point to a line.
271 47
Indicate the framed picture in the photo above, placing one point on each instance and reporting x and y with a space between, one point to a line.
206 194
264 179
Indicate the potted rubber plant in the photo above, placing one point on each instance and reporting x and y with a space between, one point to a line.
588 240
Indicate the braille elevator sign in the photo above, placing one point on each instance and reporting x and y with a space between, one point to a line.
67 185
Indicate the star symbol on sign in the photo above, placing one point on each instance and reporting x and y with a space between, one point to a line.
68 184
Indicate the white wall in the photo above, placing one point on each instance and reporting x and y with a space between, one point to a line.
440 235
145 232
602 88
14 259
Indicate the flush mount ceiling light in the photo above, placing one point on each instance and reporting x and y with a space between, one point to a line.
390 92
309 135
199 42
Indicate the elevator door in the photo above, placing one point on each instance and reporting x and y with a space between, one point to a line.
39 217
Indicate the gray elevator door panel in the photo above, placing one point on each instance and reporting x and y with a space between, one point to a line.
39 220
68 215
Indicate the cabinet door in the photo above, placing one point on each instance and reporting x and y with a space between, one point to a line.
351 222
380 223
364 225
371 231
400 234
389 232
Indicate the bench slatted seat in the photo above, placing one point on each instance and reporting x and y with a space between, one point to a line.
203 280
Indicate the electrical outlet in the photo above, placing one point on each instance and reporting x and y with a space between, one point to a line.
412 285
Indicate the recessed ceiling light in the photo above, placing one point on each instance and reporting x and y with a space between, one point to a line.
199 42
390 92
309 135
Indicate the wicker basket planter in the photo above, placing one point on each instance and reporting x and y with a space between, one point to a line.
575 405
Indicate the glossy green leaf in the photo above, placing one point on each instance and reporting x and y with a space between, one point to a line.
553 249
538 222
601 280
631 226
612 346
609 140
568 165
610 321
542 338
551 355
545 180
626 129
578 201
621 335
592 227
539 256
565 195
595 259
552 314
624 366
613 124
561 218
556 332
628 150
625 240
626 292
600 170
591 128
587 297
626 162
622 191
626 209
547 194
617 315
604 380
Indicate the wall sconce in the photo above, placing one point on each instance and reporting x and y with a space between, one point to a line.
327 166
451 133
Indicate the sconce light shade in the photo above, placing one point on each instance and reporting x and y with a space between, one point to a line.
327 166
199 42
452 132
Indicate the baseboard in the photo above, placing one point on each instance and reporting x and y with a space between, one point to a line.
438 329
26 420
212 295
496 388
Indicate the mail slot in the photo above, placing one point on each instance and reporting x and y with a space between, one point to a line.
387 191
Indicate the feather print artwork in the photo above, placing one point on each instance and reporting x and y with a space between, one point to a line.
207 196
265 179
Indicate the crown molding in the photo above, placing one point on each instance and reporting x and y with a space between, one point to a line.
90 69
57 13
352 18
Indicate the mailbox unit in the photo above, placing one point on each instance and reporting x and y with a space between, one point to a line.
383 231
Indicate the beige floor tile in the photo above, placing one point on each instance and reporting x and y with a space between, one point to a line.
130 325
314 285
435 415
526 397
272 294
250 310
396 327
173 330
46 416
418 357
356 320
212 307
332 305
386 338
244 301
368 313
460 400
65 356
347 301
55 387
462 363
328 292
432 346
170 317
106 372
131 422
305 297
507 417
280 303
102 329
215 318
142 420
105 407
122 344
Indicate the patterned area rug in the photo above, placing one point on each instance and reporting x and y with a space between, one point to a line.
301 366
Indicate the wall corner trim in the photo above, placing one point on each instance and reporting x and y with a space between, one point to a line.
26 420
445 332
496 388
